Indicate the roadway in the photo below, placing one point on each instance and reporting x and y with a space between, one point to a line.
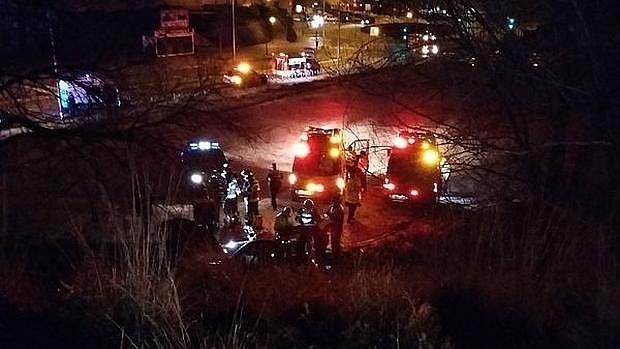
260 126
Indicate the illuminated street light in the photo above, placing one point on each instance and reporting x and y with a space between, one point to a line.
299 8
273 21
316 23
409 15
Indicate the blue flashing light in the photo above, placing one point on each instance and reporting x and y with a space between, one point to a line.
63 94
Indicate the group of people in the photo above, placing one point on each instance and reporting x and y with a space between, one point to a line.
226 190
309 234
246 187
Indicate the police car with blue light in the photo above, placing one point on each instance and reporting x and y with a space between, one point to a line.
202 159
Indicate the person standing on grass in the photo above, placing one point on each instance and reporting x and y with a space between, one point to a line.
274 178
205 214
336 223
244 186
253 198
231 208
352 193
283 225
308 218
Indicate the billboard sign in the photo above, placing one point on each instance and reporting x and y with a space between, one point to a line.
177 19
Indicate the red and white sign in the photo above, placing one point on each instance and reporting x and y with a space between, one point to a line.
174 19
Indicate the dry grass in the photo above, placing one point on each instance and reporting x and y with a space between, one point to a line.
535 277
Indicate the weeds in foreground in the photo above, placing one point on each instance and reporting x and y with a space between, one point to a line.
514 277
531 277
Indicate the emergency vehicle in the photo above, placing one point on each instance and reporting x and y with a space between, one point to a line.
425 43
201 158
413 171
319 166
85 93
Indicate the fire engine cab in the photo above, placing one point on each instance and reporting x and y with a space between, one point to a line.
320 163
413 171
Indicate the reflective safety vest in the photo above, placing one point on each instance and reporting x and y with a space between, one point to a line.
352 190
306 218
232 190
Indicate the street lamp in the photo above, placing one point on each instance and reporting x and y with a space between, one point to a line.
273 21
316 23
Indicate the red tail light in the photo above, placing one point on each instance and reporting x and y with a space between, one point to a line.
414 192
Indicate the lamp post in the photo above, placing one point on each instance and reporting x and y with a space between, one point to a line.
323 14
273 21
316 23
54 61
234 32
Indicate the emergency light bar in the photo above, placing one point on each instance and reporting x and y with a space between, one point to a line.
326 131
203 145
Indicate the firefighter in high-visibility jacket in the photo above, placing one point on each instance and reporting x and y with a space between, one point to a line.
308 230
353 192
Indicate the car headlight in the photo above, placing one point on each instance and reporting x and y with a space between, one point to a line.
340 183
231 244
425 50
334 152
435 49
244 68
196 178
313 187
430 157
292 178
236 79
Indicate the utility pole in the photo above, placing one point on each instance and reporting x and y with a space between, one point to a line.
54 62
5 202
234 32
338 53
323 14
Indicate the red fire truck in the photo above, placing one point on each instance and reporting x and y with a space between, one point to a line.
413 172
320 163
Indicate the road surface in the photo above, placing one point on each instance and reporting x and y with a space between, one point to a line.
260 127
